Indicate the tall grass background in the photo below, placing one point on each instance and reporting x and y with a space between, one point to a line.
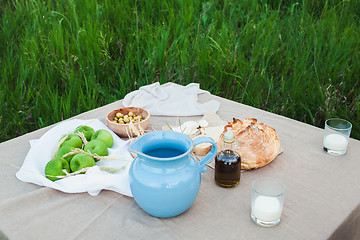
297 58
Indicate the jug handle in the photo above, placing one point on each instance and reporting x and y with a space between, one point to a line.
211 154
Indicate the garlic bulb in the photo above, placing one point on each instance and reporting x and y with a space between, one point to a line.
203 123
191 128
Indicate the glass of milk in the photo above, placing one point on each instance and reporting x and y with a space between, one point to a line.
267 200
336 136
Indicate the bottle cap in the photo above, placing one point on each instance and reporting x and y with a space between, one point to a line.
229 136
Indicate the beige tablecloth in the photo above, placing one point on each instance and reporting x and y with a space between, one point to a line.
322 200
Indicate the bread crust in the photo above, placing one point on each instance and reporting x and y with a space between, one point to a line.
202 149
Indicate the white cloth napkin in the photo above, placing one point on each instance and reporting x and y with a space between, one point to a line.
170 99
94 180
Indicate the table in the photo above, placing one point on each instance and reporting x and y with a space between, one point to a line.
322 201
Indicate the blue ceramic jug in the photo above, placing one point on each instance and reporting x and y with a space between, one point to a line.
164 177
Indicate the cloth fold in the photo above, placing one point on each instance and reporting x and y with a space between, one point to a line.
170 99
95 179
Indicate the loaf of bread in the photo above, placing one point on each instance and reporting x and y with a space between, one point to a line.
257 143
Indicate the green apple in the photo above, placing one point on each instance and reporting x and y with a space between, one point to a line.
72 140
65 150
55 168
80 161
86 130
104 136
96 147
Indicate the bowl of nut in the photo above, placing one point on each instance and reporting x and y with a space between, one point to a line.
128 121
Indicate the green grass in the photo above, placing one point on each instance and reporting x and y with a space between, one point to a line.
300 59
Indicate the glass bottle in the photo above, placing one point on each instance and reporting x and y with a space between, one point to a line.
228 162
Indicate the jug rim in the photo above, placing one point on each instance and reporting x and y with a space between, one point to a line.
164 158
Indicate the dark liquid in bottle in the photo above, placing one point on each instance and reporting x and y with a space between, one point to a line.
227 168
